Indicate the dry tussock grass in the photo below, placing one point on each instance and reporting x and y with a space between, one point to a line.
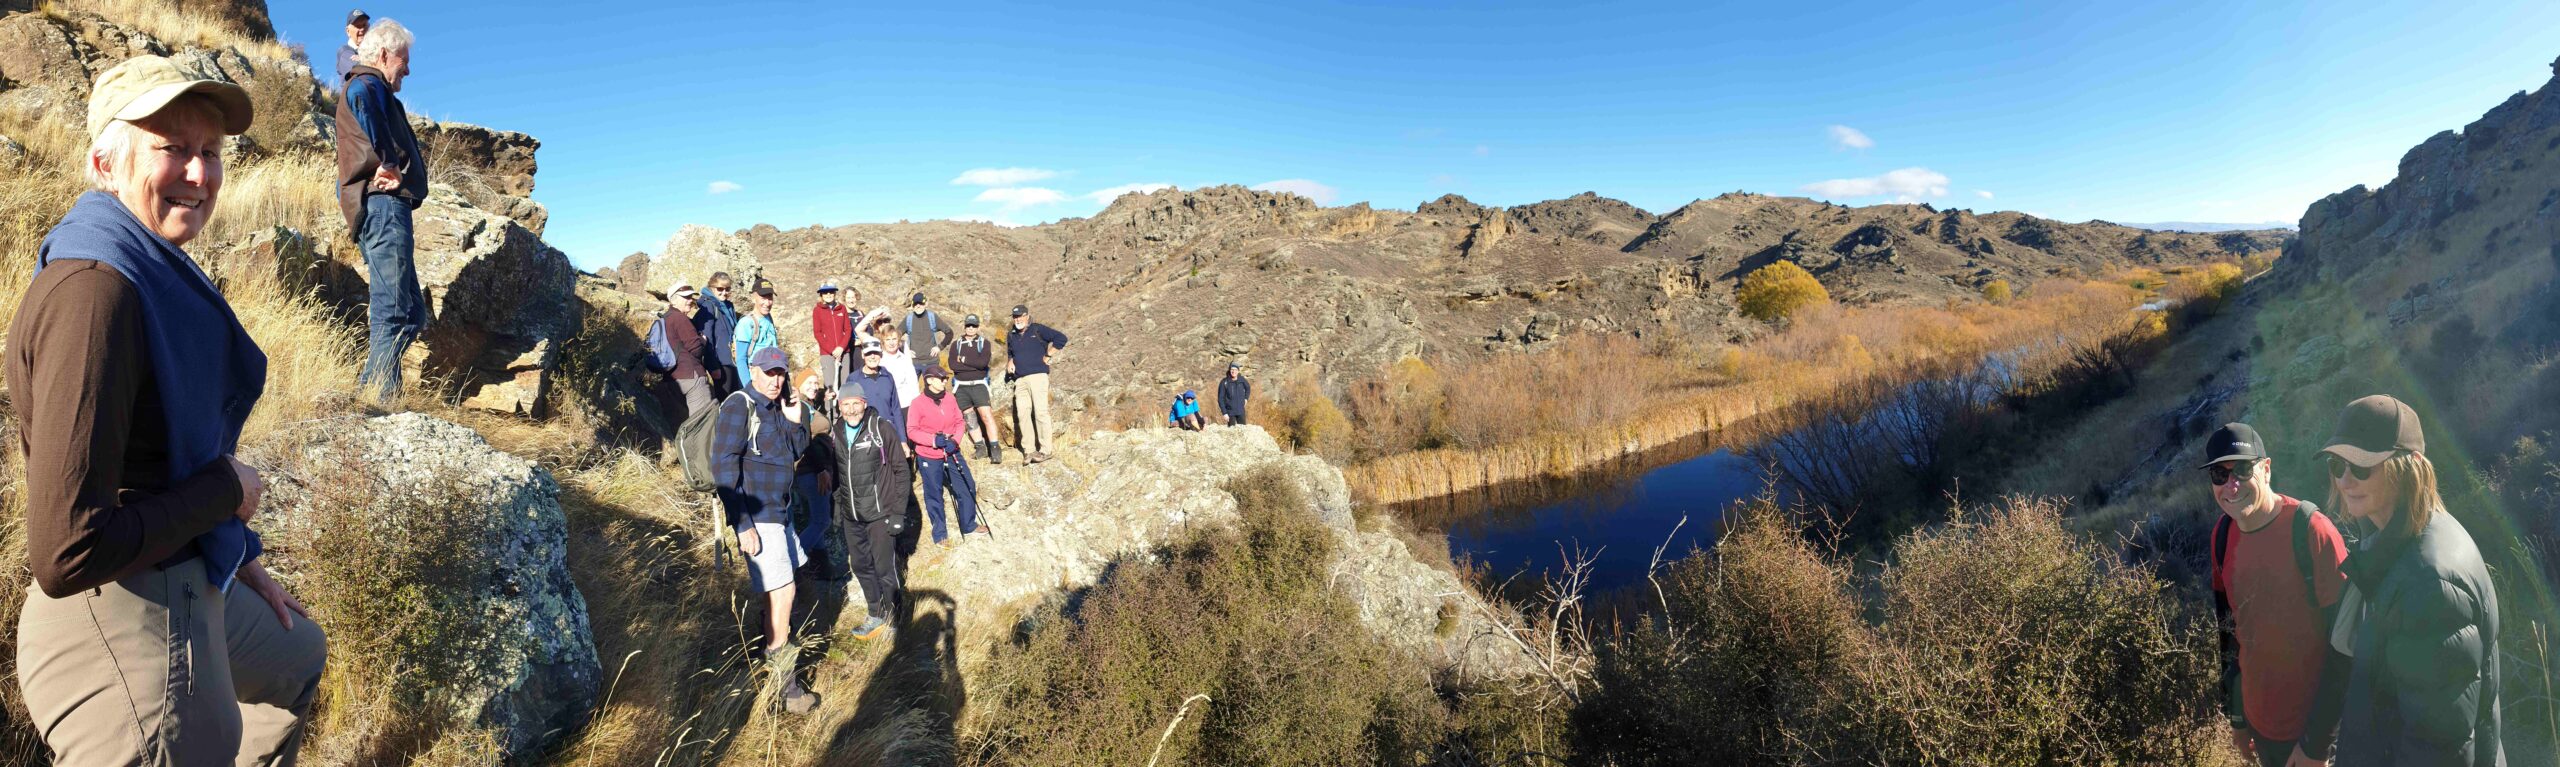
176 26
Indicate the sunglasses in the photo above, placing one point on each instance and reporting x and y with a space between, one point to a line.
2223 474
2340 468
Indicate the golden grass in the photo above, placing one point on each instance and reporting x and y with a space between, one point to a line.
176 26
1827 348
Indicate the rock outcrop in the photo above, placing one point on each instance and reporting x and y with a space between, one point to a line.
1121 493
503 158
502 305
531 672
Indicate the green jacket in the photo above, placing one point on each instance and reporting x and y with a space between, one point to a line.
2425 686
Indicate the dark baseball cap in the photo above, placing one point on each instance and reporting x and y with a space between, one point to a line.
935 370
770 358
1235 366
2234 442
917 300
2373 429
1019 310
356 18
826 287
764 288
972 321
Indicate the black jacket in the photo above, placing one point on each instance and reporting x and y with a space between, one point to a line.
2425 686
879 454
1232 392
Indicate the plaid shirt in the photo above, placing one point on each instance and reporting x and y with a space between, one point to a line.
755 484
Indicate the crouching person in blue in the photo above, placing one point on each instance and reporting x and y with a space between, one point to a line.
755 451
1186 412
152 633
873 476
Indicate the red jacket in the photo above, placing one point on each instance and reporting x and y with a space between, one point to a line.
834 327
930 415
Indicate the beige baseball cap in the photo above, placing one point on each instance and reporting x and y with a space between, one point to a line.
143 85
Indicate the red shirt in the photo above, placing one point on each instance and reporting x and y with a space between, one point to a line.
833 325
2283 642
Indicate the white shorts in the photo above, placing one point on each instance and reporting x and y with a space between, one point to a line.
771 567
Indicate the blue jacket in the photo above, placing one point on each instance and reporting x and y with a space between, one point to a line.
209 371
386 123
1183 408
881 389
753 333
1029 348
719 325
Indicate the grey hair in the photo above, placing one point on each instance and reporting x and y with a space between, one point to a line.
120 140
385 36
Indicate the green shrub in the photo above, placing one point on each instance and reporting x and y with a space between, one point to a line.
1996 291
1775 292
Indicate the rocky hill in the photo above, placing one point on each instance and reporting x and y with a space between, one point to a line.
1161 288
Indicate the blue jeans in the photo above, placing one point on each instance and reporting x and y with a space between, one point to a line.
937 475
813 531
398 311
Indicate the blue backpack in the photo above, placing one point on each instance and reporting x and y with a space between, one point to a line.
662 355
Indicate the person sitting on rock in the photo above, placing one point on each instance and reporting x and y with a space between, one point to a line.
933 424
972 358
872 479
1186 412
755 329
130 378
382 179
1233 391
755 451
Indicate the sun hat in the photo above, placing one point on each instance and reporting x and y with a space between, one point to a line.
143 85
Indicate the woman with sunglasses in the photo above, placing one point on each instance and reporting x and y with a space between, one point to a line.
2420 617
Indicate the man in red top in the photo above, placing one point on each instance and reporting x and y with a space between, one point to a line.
2276 584
832 323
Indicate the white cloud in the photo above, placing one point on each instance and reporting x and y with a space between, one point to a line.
1905 185
1010 199
1323 195
1845 137
1982 193
725 187
1002 176
1105 196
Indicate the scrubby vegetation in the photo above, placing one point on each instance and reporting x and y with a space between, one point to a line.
1774 293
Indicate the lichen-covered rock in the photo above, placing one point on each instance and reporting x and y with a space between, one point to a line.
38 52
531 672
504 159
1118 494
696 251
501 300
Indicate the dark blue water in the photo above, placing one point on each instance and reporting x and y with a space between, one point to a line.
1615 523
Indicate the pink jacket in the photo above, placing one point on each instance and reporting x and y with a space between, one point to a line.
928 416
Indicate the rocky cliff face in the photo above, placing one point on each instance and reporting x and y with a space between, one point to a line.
1161 289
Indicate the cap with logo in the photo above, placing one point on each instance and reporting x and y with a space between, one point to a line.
356 18
764 288
917 300
2373 429
1020 310
143 85
770 358
870 348
2233 442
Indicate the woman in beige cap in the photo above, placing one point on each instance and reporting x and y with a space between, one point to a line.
130 379
2420 616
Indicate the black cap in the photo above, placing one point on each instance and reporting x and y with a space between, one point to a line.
934 370
2234 442
972 321
1020 310
2373 429
356 18
764 288
917 300
1235 366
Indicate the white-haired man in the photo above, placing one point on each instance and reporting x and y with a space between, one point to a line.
382 178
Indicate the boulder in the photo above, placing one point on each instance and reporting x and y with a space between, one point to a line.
503 159
501 303
38 52
247 17
633 275
530 670
696 251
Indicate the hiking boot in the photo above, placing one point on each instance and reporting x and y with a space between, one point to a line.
871 629
799 700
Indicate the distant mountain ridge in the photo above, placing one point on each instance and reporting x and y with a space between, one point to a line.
2205 227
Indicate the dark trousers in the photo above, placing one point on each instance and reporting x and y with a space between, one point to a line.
2272 753
1235 419
398 308
813 528
937 475
875 564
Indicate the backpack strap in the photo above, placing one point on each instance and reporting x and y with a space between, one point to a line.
2302 513
2229 639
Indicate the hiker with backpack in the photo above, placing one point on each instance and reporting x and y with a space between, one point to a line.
2276 588
756 447
933 424
675 346
925 329
2420 615
972 358
832 326
872 479
755 330
1186 412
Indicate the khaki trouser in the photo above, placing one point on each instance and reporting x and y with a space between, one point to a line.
160 669
1031 412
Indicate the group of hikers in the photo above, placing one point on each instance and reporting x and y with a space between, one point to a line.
131 378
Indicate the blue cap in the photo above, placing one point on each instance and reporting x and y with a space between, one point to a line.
826 287
1187 394
769 358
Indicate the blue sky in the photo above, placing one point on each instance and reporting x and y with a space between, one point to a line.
654 115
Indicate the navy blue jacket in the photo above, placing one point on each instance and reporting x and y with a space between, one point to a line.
881 390
755 476
386 123
1029 348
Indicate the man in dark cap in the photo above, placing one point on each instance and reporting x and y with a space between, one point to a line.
357 21
1026 364
2276 582
927 334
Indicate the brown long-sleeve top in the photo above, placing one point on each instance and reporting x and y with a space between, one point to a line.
99 502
